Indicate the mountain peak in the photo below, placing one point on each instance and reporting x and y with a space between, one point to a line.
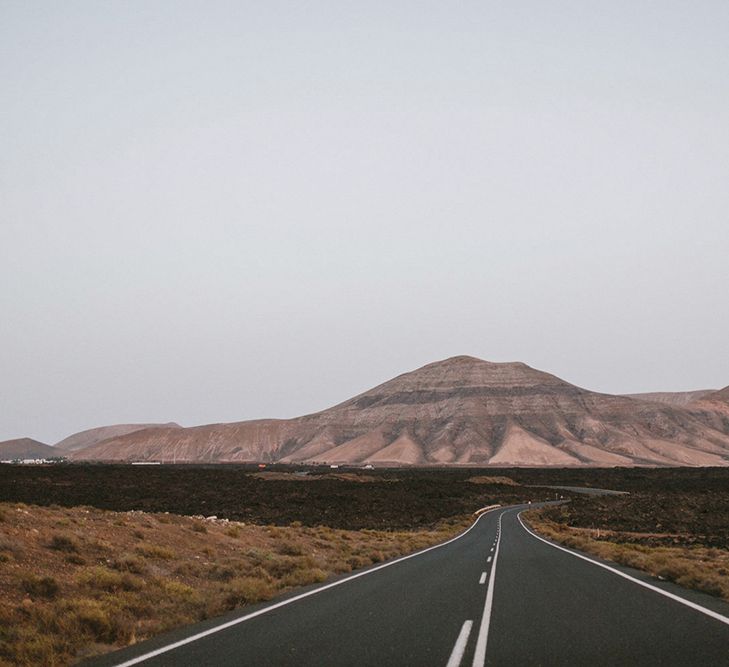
466 360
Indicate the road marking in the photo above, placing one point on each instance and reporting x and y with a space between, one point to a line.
488 560
483 578
283 603
677 598
479 657
460 647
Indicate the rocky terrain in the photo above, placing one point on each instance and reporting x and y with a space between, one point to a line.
458 411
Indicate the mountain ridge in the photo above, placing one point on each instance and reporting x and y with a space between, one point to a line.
458 411
93 436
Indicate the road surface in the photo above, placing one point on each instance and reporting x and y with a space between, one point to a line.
496 595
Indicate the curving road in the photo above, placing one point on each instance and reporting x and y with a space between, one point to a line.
496 595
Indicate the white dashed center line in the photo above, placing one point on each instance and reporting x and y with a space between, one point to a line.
479 657
460 647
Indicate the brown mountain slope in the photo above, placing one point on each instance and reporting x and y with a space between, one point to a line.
713 409
722 395
26 448
94 436
458 411
679 398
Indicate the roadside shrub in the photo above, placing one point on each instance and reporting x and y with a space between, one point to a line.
83 616
199 528
290 548
704 581
247 590
155 551
62 542
102 579
130 563
258 557
8 550
357 562
189 568
233 531
180 592
31 648
44 587
279 567
222 572
305 577
76 559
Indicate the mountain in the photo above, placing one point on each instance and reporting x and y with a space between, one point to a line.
26 448
679 398
458 411
94 436
721 396
714 402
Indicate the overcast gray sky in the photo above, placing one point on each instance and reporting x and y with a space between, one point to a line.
215 211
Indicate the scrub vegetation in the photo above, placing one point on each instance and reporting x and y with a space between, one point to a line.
75 582
683 557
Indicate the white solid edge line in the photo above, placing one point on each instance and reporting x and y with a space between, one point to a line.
283 603
460 647
672 596
482 580
479 657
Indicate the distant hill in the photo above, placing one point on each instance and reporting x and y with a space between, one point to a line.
94 436
460 411
26 448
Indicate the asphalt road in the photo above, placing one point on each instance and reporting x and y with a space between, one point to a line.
497 595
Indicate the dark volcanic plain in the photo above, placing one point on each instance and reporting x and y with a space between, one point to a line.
680 501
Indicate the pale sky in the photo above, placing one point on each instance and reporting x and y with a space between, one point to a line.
216 211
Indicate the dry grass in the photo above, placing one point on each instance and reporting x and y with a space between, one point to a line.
271 476
110 579
486 479
700 568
